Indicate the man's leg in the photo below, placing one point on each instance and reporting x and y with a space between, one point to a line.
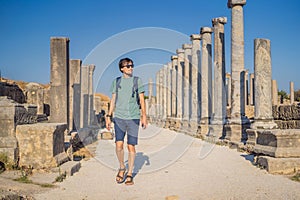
120 129
120 153
131 158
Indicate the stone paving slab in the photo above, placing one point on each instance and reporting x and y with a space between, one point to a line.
190 169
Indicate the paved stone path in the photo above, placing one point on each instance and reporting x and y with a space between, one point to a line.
170 164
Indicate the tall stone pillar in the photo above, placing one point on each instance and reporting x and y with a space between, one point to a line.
168 94
180 66
59 91
237 60
219 71
196 83
74 94
228 89
186 87
206 81
245 75
92 115
165 76
150 95
161 100
274 93
84 100
263 118
169 88
292 92
150 89
238 122
251 98
157 97
174 86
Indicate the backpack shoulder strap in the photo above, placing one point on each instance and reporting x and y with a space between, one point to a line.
135 89
118 82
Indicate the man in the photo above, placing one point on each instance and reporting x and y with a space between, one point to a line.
128 105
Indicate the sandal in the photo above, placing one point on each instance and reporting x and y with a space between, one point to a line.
120 178
130 181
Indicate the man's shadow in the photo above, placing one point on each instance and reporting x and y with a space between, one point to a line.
140 161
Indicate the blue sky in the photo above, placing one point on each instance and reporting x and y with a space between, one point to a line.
27 25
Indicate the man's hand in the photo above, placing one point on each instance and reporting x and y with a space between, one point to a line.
144 121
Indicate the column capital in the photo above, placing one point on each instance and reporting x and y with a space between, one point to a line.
179 51
221 20
187 46
174 57
195 37
232 3
206 30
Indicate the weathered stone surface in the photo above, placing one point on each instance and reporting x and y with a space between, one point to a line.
279 165
12 91
287 116
35 95
206 75
59 57
237 58
74 94
195 80
219 71
40 143
173 86
278 143
180 66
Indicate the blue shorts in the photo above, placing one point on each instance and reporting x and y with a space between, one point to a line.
129 126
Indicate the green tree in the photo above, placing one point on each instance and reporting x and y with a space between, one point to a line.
283 94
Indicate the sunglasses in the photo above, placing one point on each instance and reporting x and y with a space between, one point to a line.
128 66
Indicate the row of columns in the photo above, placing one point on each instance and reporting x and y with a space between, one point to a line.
71 91
193 98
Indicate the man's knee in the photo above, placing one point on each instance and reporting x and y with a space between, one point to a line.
131 148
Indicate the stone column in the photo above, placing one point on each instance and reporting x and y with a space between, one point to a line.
84 92
196 82
245 81
169 88
91 119
150 95
219 70
206 81
274 93
150 89
174 92
292 92
263 118
251 89
228 89
161 102
237 59
74 94
59 91
157 97
174 86
165 76
180 66
186 86
168 94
